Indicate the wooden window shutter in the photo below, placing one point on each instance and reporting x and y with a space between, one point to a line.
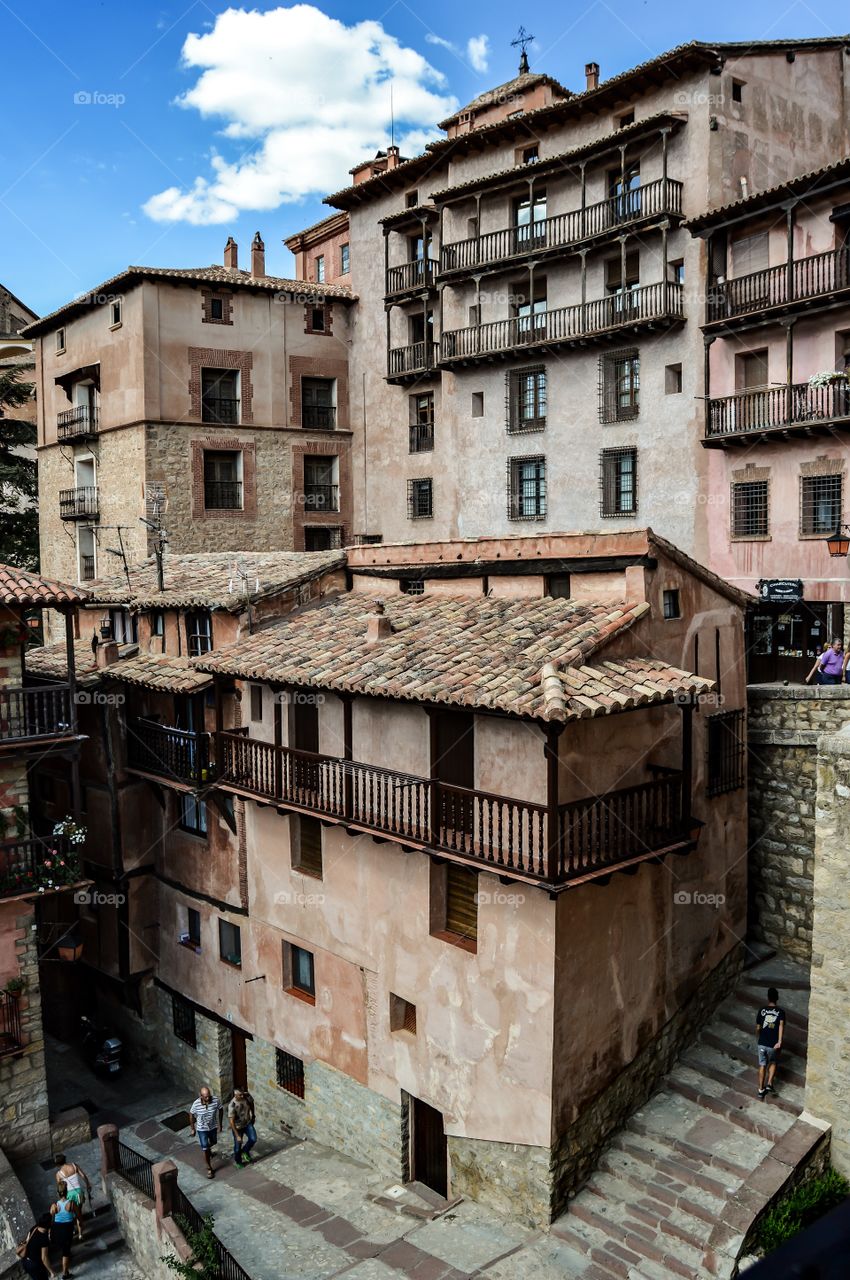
310 845
461 905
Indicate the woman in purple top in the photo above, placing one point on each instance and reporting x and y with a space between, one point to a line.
829 667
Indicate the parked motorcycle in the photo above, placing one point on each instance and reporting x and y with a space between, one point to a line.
103 1053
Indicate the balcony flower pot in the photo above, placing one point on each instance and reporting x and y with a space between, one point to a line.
829 378
14 988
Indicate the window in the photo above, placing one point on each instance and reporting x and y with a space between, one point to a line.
624 196
318 411
199 632
216 308
530 316
230 942
220 396
256 702
619 386
558 586
670 600
317 319
530 155
123 626
322 537
820 505
526 390
751 370
344 259
307 844
750 253
627 118
672 379
193 814
461 903
60 339
115 313
421 435
193 927
412 586
478 404
473 316
86 554
420 498
530 219
677 271
618 482
726 752
411 199
622 289
183 1021
321 487
737 90
222 480
527 488
298 971
290 1073
158 623
402 1015
319 274
750 514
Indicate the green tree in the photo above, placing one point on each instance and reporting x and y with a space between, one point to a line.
18 474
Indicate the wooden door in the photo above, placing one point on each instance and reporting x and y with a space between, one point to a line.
238 1042
453 765
429 1150
304 724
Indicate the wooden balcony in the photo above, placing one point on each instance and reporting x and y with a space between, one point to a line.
411 277
589 839
551 236
179 756
81 503
766 295
411 362
37 866
33 715
771 412
78 423
646 307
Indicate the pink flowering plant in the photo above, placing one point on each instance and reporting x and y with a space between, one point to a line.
37 867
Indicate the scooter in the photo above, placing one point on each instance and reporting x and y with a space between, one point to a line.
103 1053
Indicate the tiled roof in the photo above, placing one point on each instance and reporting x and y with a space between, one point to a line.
225 276
491 97
211 579
21 587
804 184
467 651
50 662
159 671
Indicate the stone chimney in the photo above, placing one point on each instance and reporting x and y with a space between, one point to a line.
106 653
393 157
378 626
258 257
591 71
231 254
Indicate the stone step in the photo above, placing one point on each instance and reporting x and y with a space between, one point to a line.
754 1115
742 1034
716 1066
793 1019
716 1163
746 1055
598 1263
617 1235
617 1194
637 1164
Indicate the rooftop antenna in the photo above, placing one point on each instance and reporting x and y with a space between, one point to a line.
160 541
121 550
392 117
244 575
522 39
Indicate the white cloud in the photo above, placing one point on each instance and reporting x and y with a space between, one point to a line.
478 52
306 97
430 38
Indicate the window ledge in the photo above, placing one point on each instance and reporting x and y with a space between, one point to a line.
300 995
457 940
190 946
231 964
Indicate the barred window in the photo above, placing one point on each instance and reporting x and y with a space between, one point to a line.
420 498
183 1021
290 1072
820 504
726 752
618 482
527 488
619 385
750 510
526 395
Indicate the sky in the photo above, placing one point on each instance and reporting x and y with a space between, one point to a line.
143 133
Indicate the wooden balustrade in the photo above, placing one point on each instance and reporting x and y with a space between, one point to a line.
179 754
772 408
35 865
818 275
413 359
40 712
603 831
410 276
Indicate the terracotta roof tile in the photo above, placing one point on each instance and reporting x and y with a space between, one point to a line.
20 586
50 662
159 671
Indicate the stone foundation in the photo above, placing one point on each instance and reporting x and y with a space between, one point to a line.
514 1180
209 1063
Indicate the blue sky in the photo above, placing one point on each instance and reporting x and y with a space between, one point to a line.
101 166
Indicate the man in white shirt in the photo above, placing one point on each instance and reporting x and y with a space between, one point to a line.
204 1117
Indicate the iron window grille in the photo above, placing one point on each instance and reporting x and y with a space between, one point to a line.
618 482
183 1021
750 509
820 504
726 752
527 488
526 399
222 486
290 1072
320 537
219 399
619 385
420 498
412 586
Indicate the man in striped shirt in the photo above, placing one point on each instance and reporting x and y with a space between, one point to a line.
204 1116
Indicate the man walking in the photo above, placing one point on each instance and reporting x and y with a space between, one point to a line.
204 1117
241 1116
770 1028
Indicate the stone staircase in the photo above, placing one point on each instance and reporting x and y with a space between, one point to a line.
679 1186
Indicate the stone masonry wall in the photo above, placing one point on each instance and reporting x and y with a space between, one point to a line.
210 1063
512 1179
24 1122
136 1217
784 725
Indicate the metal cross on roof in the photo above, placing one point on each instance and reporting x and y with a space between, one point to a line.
522 39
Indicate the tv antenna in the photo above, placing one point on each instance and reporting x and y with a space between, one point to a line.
244 575
522 40
160 540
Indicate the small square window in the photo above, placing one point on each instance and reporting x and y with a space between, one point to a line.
420 498
299 975
402 1015
412 586
115 313
306 835
530 155
290 1073
411 200
627 118
183 1021
256 702
672 607
60 339
558 586
737 90
478 404
230 943
320 269
672 379
344 259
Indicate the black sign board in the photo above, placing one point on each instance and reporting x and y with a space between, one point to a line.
780 590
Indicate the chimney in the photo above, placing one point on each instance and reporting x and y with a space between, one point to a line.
378 626
258 257
106 653
591 70
393 157
231 254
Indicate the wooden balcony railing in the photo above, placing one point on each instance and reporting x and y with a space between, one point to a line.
504 834
410 276
181 755
10 1024
645 304
776 408
40 712
81 503
76 422
36 866
660 198
413 359
420 437
820 275
321 497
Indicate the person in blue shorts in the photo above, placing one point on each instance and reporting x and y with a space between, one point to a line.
770 1028
204 1116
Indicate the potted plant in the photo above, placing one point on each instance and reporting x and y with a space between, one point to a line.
15 986
828 378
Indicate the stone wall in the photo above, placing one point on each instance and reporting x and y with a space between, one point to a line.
784 724
512 1179
827 1083
24 1126
209 1063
